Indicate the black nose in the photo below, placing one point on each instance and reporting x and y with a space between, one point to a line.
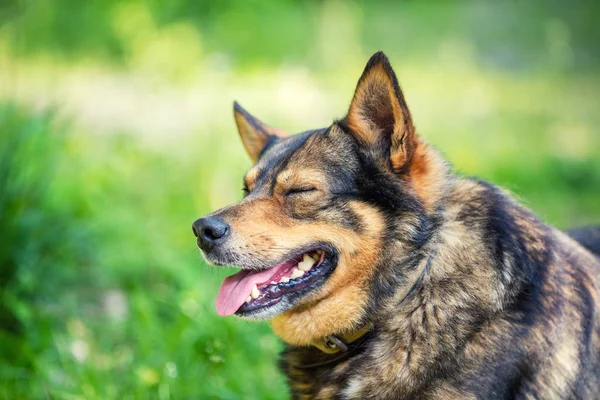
210 231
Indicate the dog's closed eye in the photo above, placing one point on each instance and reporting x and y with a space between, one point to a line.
300 190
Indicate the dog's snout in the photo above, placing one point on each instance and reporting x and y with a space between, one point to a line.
210 231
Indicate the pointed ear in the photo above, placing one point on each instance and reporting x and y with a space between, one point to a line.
255 134
378 114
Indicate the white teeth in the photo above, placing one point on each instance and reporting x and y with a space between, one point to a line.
296 273
273 283
255 292
249 299
284 279
302 266
307 263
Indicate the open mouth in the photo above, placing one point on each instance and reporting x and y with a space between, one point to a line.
249 291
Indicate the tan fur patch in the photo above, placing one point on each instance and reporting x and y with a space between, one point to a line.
250 178
343 298
428 174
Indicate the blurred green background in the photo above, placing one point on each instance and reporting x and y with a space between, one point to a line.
116 132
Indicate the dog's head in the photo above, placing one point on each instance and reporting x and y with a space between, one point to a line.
322 211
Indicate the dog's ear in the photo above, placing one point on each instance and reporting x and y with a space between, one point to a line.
255 134
379 116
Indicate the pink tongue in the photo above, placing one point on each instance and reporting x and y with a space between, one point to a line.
236 288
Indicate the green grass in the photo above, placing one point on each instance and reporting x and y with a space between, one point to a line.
112 302
103 293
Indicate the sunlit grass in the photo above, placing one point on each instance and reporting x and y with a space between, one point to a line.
124 310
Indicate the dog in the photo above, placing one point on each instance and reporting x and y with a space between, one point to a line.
388 276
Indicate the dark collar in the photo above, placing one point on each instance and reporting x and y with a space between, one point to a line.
344 344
